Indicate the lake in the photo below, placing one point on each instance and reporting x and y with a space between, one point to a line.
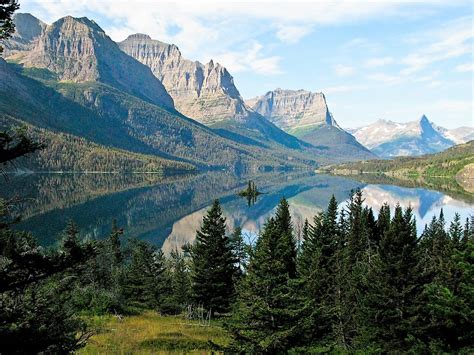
167 210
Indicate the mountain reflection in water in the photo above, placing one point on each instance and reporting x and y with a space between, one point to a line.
167 210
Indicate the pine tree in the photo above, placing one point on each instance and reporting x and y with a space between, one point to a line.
393 286
239 250
264 319
180 283
213 263
284 227
456 231
145 277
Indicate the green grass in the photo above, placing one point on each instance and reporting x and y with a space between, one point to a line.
150 333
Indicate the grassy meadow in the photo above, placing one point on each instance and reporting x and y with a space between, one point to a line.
150 333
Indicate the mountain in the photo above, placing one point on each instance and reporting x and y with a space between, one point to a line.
306 115
78 50
389 139
458 135
70 77
206 93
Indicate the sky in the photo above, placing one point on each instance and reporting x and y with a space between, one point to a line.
379 59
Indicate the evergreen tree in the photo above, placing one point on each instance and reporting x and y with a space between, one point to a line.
145 277
264 319
180 295
393 286
284 227
7 26
456 231
239 250
213 263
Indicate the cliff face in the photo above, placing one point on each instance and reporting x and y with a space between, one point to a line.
205 93
78 51
305 115
293 109
27 29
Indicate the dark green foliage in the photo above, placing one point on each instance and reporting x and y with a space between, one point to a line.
364 285
239 250
15 144
36 312
393 286
145 279
265 314
213 263
7 26
178 296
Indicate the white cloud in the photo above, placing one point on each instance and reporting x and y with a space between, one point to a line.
465 68
378 62
250 59
293 33
215 27
454 40
343 70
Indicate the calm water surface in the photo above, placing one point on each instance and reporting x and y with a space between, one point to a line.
168 210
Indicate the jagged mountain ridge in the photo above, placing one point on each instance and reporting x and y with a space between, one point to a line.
78 50
206 93
389 139
306 115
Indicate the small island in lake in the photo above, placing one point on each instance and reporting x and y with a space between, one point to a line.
251 193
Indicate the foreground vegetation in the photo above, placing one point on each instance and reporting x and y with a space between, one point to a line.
151 333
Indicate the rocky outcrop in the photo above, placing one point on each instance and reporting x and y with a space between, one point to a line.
292 110
204 92
27 30
78 50
305 115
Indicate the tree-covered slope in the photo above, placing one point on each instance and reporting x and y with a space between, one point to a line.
446 163
66 152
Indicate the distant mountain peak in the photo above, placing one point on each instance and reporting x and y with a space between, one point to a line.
293 109
388 139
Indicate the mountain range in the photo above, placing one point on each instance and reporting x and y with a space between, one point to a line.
142 96
389 139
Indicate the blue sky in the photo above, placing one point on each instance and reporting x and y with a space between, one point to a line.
378 59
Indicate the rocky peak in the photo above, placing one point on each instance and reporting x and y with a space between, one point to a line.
138 36
27 29
204 92
293 109
78 50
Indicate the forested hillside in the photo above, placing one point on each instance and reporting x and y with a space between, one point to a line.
66 152
446 163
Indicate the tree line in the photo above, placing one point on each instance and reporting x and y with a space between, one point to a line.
356 283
